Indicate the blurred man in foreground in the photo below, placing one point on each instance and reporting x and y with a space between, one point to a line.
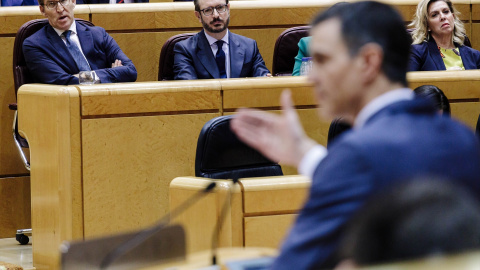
360 54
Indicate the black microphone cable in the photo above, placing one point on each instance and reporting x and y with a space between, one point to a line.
223 214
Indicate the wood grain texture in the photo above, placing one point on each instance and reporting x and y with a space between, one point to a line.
267 231
267 195
49 117
200 219
466 112
15 210
128 164
173 96
245 221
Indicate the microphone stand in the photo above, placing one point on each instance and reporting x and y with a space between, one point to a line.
147 233
223 214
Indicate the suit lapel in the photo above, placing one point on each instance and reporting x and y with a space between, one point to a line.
86 41
60 48
466 58
237 56
204 53
437 59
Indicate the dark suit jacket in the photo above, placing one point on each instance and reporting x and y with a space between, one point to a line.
194 58
107 1
7 3
49 60
425 57
404 140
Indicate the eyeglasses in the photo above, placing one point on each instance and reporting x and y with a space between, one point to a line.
209 10
53 4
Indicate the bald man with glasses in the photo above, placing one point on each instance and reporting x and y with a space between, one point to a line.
56 53
215 52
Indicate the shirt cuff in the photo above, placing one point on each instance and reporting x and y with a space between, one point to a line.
310 161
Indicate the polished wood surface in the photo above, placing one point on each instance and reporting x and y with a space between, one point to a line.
114 148
259 213
89 158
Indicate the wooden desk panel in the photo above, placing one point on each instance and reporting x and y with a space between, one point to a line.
243 227
128 164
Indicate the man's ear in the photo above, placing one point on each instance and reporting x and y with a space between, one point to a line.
371 56
42 10
197 14
74 3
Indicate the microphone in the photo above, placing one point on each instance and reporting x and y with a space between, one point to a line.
223 214
143 235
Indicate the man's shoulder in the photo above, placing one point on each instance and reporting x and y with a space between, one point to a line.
82 26
240 38
190 42
39 35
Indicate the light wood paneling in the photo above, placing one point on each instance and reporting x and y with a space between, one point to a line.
49 118
266 196
467 112
14 205
267 231
173 96
199 221
259 214
133 177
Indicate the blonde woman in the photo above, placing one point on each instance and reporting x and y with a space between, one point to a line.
438 39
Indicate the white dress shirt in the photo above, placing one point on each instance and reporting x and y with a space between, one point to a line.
213 46
73 38
314 156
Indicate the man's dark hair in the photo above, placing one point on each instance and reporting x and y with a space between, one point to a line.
412 220
373 22
197 6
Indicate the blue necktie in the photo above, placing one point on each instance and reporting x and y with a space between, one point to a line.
77 55
220 59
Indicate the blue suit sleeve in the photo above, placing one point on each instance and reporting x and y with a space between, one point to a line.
125 73
302 52
341 184
43 67
183 68
259 68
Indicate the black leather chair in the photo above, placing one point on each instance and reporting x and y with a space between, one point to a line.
221 155
165 63
337 127
477 129
22 76
286 48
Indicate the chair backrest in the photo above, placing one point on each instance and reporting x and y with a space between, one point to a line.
21 74
337 127
165 63
286 48
221 155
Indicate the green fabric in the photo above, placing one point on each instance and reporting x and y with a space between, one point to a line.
302 52
452 60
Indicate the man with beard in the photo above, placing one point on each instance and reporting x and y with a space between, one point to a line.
216 52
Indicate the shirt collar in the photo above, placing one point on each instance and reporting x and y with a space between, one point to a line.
381 102
72 28
212 40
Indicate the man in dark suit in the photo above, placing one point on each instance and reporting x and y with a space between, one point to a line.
114 2
360 58
216 52
57 53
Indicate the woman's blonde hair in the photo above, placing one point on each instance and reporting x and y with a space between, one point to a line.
420 22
